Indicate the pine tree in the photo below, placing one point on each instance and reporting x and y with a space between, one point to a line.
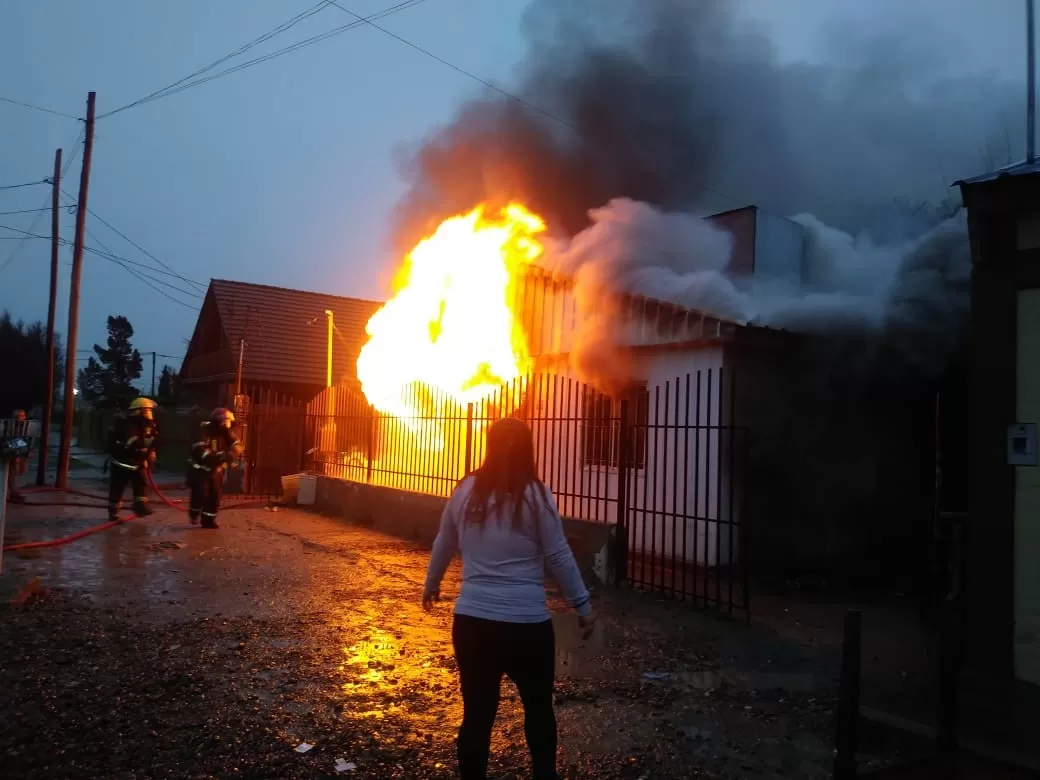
168 386
107 382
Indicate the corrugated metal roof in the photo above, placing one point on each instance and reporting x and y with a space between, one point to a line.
1017 169
280 344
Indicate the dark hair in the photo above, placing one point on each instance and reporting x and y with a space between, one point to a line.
508 468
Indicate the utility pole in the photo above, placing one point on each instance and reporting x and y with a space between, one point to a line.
64 451
48 395
153 376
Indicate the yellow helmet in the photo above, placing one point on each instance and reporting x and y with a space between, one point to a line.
143 406
222 417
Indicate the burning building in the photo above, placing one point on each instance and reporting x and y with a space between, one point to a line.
636 420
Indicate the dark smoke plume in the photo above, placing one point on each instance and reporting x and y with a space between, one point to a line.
683 105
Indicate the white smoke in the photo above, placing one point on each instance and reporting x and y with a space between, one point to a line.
846 282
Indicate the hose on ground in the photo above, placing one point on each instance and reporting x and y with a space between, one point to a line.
110 524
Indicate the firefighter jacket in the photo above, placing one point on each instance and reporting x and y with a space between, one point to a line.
214 450
132 442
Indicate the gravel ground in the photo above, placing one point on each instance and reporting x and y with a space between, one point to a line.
158 650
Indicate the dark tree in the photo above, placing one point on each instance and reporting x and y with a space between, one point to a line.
168 386
107 382
23 365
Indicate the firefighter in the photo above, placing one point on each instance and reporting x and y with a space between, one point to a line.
207 465
131 452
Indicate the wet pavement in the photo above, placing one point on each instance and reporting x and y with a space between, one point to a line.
158 649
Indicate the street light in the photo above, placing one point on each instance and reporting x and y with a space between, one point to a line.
328 345
328 350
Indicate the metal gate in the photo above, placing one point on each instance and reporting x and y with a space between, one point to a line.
683 512
273 428
662 463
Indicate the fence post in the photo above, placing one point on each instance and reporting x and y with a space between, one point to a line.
370 445
469 437
848 698
621 525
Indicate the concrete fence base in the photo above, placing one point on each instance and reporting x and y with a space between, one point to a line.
416 516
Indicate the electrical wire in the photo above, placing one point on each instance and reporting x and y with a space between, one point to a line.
77 145
124 262
39 108
17 186
283 27
505 93
24 211
173 90
137 246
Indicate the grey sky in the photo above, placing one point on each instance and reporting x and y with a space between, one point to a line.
285 173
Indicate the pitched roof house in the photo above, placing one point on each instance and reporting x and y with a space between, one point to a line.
282 337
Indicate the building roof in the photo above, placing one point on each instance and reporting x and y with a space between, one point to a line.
1016 169
284 331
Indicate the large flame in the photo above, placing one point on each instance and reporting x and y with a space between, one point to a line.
450 326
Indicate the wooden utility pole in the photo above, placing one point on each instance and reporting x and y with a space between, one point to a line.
48 395
153 376
64 450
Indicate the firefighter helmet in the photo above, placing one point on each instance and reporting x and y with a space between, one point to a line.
145 407
222 417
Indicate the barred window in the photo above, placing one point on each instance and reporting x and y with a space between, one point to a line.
601 422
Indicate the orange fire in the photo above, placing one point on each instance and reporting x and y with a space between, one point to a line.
450 326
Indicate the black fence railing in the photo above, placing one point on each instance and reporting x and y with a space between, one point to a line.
661 463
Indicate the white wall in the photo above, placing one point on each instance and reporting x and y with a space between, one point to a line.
679 500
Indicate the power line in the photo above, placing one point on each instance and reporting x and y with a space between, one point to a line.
137 246
65 168
27 211
26 184
123 262
40 108
505 93
283 27
173 90
126 264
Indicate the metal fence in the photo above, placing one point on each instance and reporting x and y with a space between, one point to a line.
661 462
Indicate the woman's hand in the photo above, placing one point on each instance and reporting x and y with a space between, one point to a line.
430 597
588 623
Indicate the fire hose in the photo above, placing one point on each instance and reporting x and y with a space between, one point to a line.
103 526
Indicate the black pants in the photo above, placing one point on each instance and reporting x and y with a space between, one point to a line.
118 479
206 490
485 650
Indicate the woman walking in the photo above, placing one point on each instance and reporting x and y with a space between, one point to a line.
504 522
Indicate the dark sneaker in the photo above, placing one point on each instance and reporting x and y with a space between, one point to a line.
210 522
142 510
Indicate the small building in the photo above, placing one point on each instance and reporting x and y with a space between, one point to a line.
664 456
1002 553
270 340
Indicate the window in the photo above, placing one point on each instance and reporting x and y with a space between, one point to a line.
601 418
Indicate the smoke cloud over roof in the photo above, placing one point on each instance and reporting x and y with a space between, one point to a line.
636 118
